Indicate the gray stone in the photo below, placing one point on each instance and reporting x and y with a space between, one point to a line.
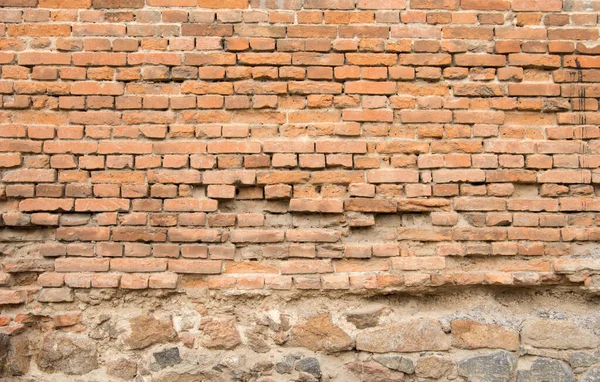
309 365
195 375
122 368
556 334
406 337
4 349
546 370
104 328
232 361
277 322
257 339
238 375
592 375
581 359
283 368
167 357
396 362
493 367
262 367
434 366
67 353
366 317
14 355
286 365
542 352
305 377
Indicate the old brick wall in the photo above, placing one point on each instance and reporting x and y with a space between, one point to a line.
156 154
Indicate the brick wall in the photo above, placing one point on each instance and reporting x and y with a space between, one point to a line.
262 145
278 145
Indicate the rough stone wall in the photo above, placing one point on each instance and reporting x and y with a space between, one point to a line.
254 189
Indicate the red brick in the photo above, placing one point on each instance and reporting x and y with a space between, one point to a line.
217 4
532 90
46 204
493 60
234 147
305 31
410 263
491 5
537 5
138 265
370 205
51 279
382 4
102 205
535 60
368 115
305 267
317 205
479 204
112 4
195 266
429 116
393 176
357 251
134 281
435 4
216 130
12 297
191 235
69 4
256 236
39 30
105 280
221 192
163 281
329 4
82 233
81 265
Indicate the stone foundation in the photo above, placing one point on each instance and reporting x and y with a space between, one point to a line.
475 335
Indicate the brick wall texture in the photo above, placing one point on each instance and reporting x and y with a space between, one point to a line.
316 144
323 148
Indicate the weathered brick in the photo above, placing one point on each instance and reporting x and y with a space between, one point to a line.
370 205
155 144
195 266
46 204
138 265
39 30
189 234
11 297
537 5
317 205
409 263
256 236
305 266
223 4
81 265
393 176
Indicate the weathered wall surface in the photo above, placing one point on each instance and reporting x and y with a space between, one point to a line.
252 190
476 335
